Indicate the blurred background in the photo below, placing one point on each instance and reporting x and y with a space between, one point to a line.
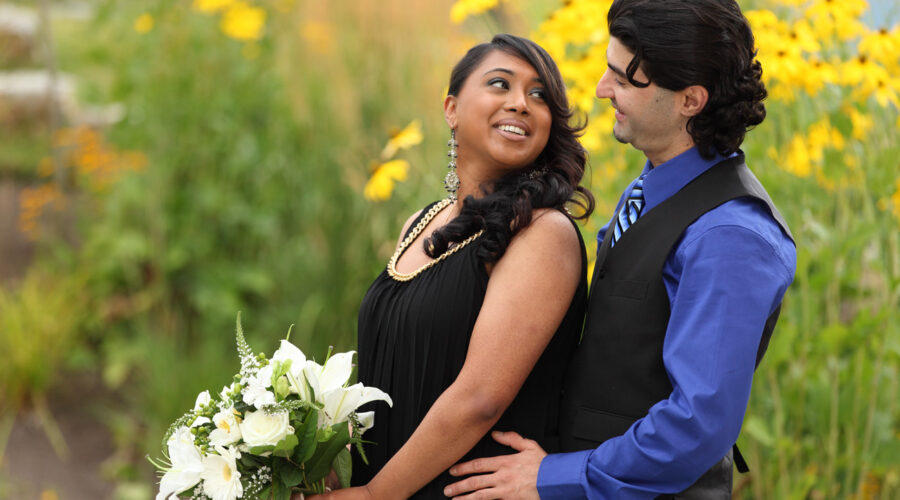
165 164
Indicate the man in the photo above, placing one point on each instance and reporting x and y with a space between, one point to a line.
689 278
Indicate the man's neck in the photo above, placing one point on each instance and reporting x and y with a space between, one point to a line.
659 157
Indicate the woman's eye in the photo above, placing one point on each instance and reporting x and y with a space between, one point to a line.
539 93
498 82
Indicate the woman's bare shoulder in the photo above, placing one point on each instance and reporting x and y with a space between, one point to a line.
407 224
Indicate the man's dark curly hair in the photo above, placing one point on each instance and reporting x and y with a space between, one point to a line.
508 203
679 43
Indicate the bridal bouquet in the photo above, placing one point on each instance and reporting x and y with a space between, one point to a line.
283 425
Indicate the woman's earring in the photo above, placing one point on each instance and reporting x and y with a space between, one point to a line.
451 180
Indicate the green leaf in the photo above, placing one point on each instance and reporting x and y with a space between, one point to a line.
306 434
286 446
259 450
289 474
319 465
280 491
343 466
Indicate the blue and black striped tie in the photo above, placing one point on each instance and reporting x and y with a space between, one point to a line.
631 211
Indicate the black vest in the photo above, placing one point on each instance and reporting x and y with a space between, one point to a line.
617 373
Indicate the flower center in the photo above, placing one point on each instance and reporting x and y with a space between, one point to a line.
227 473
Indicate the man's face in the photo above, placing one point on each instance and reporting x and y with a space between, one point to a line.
646 117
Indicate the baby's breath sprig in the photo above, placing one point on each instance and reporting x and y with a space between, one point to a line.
260 480
291 405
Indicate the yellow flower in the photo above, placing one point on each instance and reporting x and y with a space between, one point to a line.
837 9
817 74
381 184
243 21
802 38
881 45
862 123
465 8
404 139
211 6
895 201
798 161
144 23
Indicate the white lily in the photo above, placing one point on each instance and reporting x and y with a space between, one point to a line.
203 399
315 380
366 420
341 402
221 479
288 351
336 372
187 465
304 380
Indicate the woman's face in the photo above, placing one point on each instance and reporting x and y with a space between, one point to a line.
500 116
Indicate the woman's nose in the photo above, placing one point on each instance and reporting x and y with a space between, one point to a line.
517 103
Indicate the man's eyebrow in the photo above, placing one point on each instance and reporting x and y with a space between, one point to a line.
512 73
615 69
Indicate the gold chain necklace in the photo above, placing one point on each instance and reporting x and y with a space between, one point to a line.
392 264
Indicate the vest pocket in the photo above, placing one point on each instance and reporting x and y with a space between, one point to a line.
599 425
630 289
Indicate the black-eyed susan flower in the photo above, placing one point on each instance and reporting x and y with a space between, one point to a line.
384 175
465 8
862 123
243 21
404 139
211 6
144 23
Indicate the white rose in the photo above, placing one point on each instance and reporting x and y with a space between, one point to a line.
262 429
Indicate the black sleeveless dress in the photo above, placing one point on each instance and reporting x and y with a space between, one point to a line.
413 338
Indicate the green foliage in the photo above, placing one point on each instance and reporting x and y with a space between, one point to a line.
40 323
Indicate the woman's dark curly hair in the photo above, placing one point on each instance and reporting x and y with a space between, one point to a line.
507 204
680 43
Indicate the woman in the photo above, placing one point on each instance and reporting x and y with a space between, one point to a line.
470 326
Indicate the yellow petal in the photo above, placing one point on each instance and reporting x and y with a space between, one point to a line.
405 139
144 23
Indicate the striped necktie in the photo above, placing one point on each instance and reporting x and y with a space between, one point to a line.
631 211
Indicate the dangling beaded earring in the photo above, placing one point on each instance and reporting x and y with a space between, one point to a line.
451 180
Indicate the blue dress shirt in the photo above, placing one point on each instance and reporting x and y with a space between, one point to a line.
724 277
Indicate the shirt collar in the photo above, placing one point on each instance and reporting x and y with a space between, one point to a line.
666 179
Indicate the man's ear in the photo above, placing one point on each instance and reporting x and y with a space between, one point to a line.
693 100
450 111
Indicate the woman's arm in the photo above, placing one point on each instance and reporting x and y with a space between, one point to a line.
528 294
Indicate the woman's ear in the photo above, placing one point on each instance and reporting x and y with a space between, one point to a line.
450 111
693 100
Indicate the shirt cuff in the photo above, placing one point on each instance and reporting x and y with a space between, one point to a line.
563 475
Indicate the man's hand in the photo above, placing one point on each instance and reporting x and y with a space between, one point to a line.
360 493
506 476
